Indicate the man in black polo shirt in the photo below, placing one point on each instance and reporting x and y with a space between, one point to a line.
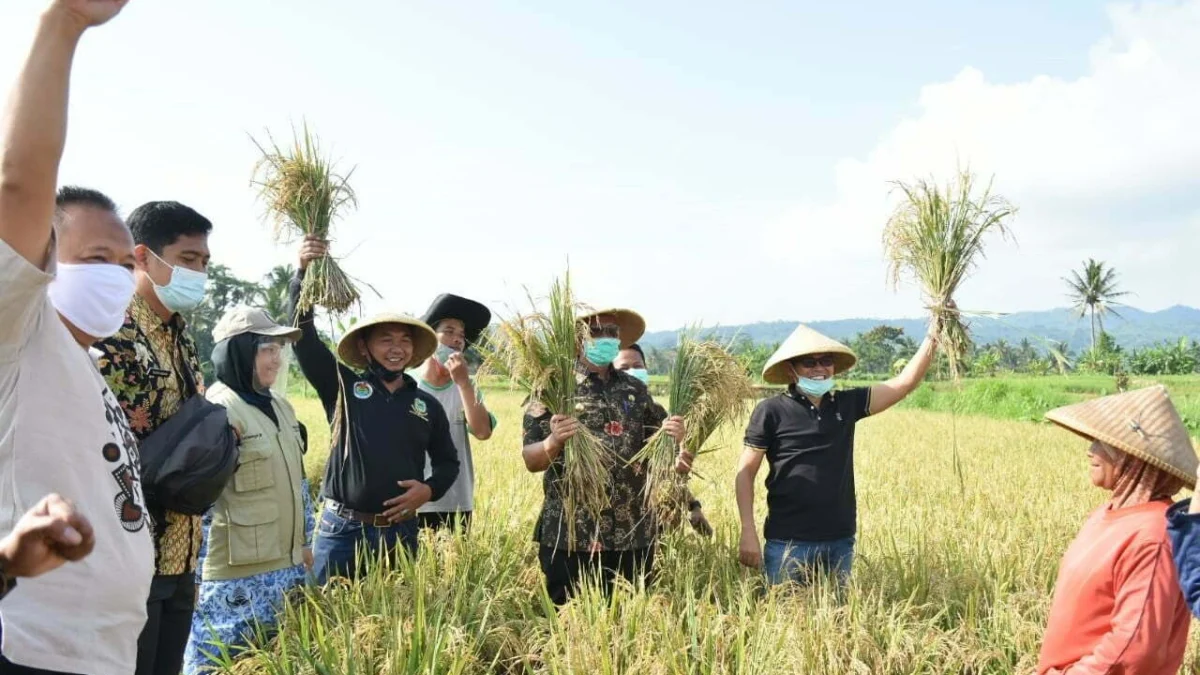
807 435
382 428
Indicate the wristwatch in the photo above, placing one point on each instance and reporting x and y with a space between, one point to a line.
694 505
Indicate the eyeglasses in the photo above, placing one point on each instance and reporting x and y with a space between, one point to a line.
272 348
825 361
608 330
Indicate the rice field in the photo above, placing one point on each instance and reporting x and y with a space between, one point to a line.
954 575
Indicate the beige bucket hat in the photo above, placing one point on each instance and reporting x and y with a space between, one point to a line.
805 341
423 337
1143 423
633 326
244 319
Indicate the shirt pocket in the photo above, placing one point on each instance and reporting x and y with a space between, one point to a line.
254 470
254 531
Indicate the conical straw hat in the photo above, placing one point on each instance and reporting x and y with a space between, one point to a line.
633 326
805 341
1143 423
423 338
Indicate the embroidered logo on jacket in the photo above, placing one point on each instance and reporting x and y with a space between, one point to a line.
363 390
420 409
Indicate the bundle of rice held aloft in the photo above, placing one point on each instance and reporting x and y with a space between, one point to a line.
539 352
304 196
708 387
936 236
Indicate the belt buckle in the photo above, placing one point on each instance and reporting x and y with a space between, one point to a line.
380 520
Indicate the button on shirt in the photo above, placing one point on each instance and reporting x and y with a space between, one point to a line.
380 437
810 484
143 363
621 412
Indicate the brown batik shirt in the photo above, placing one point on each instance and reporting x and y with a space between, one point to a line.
142 364
623 415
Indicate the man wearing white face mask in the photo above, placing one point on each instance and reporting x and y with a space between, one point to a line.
458 323
66 276
152 366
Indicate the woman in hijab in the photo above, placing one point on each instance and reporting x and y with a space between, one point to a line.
1117 606
258 535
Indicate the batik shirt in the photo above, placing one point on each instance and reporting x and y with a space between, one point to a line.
623 415
142 364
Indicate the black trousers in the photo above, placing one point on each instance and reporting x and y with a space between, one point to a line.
444 521
565 570
168 624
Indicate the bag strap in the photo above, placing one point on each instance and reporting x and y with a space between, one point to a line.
184 370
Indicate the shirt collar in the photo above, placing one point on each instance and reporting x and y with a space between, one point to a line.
145 317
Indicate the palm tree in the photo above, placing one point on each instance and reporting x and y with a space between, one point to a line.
275 292
1095 292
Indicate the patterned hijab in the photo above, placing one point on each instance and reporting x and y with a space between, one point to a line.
1138 482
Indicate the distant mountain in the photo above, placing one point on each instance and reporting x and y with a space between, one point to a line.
1133 329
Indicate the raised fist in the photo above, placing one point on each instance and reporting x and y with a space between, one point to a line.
91 12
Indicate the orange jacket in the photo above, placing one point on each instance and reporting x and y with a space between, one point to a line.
1117 606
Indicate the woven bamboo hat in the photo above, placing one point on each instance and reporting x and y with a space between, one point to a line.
1143 423
423 337
633 326
805 341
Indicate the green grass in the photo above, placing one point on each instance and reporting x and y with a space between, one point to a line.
953 576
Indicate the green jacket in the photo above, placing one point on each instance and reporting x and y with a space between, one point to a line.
258 522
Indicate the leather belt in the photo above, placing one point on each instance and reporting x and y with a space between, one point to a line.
372 519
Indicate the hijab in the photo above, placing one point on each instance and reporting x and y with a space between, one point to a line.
1138 481
233 362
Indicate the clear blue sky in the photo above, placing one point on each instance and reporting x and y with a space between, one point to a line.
717 162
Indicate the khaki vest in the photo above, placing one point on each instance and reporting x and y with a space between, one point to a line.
258 522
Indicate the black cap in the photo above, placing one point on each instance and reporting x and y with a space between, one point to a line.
474 315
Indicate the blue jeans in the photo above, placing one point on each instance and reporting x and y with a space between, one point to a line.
343 547
794 560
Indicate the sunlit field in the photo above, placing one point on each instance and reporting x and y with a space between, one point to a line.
954 573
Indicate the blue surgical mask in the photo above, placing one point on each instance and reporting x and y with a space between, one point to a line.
601 351
443 353
641 374
185 291
814 387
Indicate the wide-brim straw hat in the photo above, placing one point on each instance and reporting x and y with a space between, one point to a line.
633 326
474 315
1142 423
805 341
423 338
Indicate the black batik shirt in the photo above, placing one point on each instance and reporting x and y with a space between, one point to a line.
383 438
810 484
623 415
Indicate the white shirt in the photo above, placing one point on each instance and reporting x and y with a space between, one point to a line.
62 430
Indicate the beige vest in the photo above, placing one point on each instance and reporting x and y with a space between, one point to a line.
258 522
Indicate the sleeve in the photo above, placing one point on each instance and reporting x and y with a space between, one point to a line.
479 397
1183 528
310 516
855 404
535 425
760 431
1147 596
654 418
23 289
205 523
115 355
443 456
316 362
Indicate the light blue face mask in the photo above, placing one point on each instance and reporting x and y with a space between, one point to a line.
601 351
814 388
443 353
185 291
641 374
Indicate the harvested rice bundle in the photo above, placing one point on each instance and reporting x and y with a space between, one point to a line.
708 387
304 196
539 352
936 236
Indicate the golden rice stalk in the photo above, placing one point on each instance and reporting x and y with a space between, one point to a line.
539 352
708 387
304 196
936 236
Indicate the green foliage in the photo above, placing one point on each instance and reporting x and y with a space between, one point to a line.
1095 292
1178 358
880 348
225 290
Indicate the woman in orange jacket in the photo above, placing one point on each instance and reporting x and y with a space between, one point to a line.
1117 606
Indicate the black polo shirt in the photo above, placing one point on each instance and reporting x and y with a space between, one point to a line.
390 434
810 484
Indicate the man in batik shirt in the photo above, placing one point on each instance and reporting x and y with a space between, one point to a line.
619 410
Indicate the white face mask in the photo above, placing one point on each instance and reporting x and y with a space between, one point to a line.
93 297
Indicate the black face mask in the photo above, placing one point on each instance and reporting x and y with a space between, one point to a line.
378 370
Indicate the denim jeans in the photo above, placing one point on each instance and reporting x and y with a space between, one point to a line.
794 560
342 547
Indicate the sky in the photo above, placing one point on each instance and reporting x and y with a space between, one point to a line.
704 162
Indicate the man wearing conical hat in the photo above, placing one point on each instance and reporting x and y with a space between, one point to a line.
385 432
619 410
1117 605
806 435
458 322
